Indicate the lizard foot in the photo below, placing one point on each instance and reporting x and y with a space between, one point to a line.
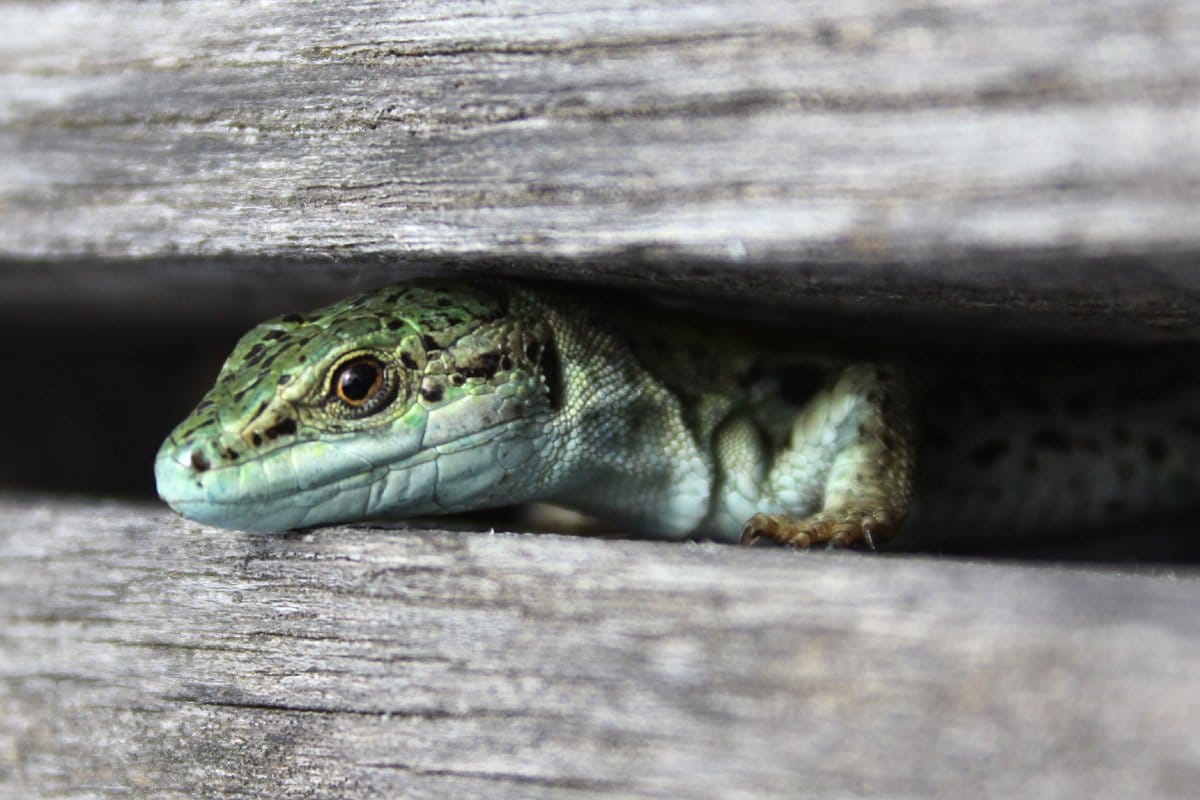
861 529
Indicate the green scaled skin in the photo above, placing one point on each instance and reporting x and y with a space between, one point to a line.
431 398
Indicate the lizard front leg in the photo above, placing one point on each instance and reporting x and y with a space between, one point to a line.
854 443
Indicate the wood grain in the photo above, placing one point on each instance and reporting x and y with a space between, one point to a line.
976 157
141 654
191 166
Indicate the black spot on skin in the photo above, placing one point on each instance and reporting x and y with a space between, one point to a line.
302 359
204 404
199 461
551 371
408 361
261 408
269 360
457 379
285 427
798 383
429 344
489 363
487 314
591 418
639 418
1050 439
229 455
988 453
284 378
395 325
254 437
1156 450
255 353
292 318
187 434
506 363
431 392
485 366
275 333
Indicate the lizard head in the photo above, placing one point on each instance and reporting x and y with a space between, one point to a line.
420 398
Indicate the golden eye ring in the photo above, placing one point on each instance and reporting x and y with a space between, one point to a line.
362 385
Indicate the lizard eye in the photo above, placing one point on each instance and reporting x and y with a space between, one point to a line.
362 385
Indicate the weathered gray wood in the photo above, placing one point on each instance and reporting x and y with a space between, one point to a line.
984 158
977 156
143 655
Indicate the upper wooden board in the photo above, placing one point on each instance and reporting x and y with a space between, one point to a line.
991 152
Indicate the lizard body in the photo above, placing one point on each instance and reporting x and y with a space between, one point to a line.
436 397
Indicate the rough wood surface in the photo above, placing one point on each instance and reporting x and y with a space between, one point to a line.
978 156
143 655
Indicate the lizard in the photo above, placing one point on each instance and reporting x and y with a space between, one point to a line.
434 397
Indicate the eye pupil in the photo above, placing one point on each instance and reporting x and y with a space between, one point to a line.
361 385
357 381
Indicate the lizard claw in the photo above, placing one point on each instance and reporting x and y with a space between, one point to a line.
751 534
835 530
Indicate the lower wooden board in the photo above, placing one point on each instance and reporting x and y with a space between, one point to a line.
143 655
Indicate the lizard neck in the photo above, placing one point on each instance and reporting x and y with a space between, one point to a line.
618 440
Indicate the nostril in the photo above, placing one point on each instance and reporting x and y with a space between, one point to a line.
199 461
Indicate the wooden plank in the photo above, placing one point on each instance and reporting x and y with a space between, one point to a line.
141 654
982 158
972 156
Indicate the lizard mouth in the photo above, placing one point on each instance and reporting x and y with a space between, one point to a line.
315 482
